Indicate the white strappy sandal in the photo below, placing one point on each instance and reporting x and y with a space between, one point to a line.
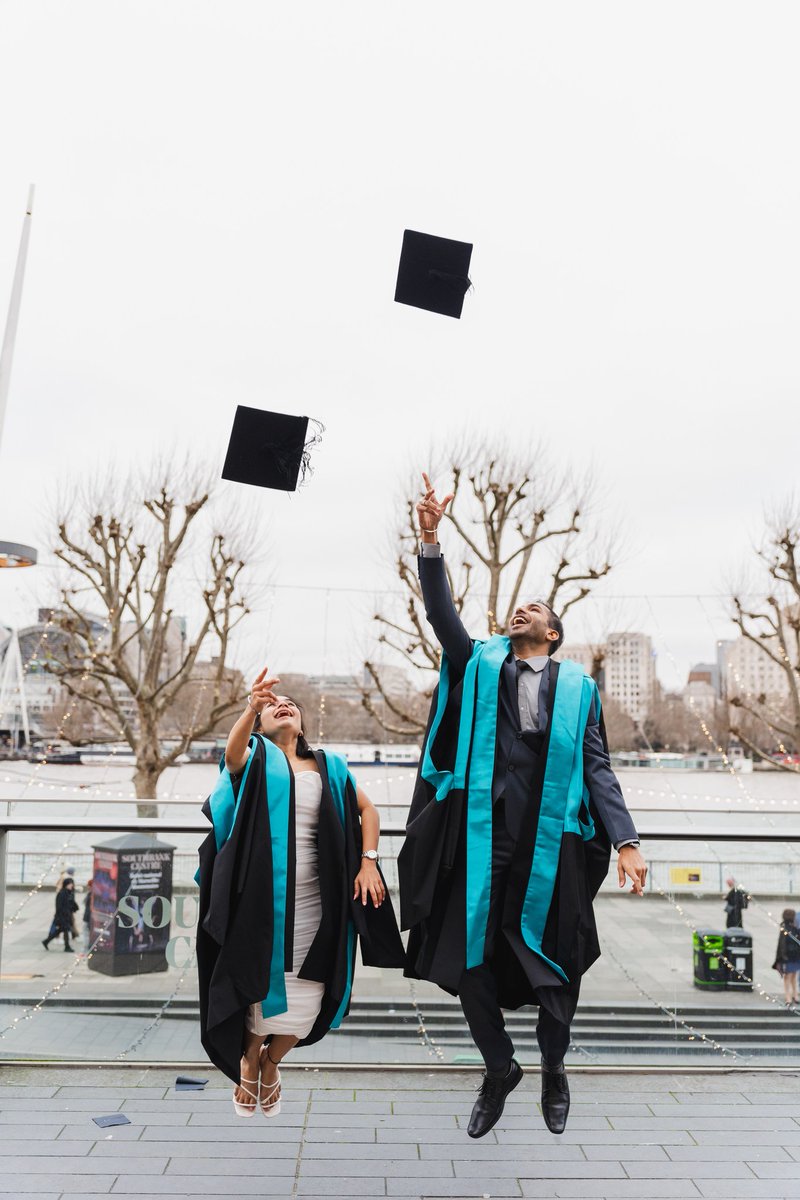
270 1101
247 1110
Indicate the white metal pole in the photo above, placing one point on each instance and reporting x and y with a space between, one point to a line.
9 338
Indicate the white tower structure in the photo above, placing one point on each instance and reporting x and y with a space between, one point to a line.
13 703
13 554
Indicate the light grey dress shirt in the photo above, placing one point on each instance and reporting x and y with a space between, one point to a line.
529 679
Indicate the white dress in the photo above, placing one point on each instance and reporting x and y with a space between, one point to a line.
303 996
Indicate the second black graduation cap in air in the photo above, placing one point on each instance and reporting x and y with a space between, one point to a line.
433 273
268 449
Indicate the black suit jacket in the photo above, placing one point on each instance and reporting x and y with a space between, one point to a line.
514 749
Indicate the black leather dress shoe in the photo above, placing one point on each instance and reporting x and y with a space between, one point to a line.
555 1097
488 1108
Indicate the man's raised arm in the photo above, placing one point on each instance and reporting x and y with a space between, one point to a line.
439 607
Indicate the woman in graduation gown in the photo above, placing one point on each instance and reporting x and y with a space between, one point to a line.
289 878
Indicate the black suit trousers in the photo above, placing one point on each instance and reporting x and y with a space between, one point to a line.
478 987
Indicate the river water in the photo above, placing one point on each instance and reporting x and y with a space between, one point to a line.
673 799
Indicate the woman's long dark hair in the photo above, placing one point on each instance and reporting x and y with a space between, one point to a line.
303 748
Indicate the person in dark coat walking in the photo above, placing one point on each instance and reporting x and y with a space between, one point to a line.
64 914
735 904
787 956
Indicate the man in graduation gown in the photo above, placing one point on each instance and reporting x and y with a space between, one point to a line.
509 834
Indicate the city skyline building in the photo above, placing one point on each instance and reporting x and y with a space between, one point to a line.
630 673
748 670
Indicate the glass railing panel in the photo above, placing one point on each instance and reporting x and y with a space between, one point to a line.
131 990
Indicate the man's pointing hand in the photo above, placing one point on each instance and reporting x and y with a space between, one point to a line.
429 510
631 863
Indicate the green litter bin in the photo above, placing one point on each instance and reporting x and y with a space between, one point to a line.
709 969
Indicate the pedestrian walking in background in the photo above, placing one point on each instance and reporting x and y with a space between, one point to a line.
87 914
735 903
67 873
787 956
64 917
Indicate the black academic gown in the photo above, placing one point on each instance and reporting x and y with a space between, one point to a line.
235 924
433 881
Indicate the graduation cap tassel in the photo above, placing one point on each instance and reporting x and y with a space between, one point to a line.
459 283
308 446
269 449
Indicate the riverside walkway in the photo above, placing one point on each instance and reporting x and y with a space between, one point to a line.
397 1133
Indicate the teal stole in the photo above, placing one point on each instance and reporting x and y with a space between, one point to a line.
339 775
563 809
224 805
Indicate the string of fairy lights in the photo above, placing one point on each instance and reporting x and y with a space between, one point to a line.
707 733
83 960
58 858
59 854
55 863
10 776
694 1034
729 965
42 762
741 689
749 695
80 960
156 1020
760 989
426 1038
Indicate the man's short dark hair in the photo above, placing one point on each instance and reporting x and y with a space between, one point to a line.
555 623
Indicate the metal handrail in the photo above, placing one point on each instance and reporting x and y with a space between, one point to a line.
781 809
654 832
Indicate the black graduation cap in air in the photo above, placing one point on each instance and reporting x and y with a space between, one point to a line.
433 273
268 449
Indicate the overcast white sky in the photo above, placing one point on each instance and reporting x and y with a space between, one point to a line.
221 195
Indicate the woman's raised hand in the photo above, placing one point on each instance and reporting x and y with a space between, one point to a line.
261 692
429 510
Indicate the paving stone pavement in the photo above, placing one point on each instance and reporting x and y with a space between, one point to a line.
393 1133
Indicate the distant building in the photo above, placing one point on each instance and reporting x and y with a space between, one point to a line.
587 655
339 687
708 673
394 680
44 646
40 646
630 673
747 670
701 696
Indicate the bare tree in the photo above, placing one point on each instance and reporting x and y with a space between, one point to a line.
513 519
769 720
133 662
620 726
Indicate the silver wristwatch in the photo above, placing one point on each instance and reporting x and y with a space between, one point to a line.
372 855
